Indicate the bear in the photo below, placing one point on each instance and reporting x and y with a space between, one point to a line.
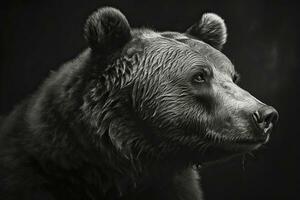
134 116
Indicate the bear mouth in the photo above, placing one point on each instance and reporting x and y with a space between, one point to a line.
239 141
253 141
228 148
243 144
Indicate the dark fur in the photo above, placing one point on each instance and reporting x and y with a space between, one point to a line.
119 121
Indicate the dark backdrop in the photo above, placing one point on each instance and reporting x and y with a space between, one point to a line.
37 36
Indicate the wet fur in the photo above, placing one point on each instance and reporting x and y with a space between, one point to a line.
87 133
54 149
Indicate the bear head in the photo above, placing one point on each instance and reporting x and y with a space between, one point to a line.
169 95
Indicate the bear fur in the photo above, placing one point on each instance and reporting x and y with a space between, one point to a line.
129 118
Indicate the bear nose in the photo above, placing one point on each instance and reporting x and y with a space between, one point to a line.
265 118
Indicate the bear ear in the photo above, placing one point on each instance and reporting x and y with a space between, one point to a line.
107 30
210 29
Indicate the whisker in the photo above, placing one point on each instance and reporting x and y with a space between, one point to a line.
251 154
243 162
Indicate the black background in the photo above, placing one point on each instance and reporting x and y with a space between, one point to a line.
37 36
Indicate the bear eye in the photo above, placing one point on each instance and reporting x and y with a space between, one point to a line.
236 78
200 77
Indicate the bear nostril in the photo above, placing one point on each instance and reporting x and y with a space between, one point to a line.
271 118
257 117
265 118
269 115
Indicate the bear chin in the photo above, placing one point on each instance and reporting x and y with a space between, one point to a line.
225 150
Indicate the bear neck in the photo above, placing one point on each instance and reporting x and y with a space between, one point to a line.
102 164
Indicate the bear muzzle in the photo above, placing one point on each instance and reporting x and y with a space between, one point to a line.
264 120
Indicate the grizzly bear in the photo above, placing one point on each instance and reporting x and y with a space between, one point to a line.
131 117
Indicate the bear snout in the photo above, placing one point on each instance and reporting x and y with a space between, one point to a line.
265 119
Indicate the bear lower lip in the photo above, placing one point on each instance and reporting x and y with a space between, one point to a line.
260 140
229 148
242 145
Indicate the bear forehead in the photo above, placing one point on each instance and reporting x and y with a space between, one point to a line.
200 51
